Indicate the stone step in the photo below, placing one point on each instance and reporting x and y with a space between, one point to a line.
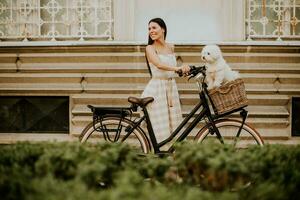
187 88
262 78
9 138
135 88
40 78
261 116
82 57
231 47
121 67
138 57
293 89
253 99
240 48
82 121
253 111
277 130
246 57
8 57
251 88
103 67
269 128
7 67
130 78
266 67
186 99
32 88
284 141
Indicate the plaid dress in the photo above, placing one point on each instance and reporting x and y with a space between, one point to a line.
165 111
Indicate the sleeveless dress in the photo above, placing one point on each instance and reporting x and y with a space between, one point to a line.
165 111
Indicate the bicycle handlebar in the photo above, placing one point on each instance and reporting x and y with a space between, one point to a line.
179 72
194 70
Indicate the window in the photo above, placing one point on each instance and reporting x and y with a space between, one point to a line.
56 19
273 19
34 114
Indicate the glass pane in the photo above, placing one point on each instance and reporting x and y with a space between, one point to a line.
270 28
257 27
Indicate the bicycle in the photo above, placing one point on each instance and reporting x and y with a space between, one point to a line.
116 123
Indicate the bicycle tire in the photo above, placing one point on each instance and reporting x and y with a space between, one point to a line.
228 129
137 139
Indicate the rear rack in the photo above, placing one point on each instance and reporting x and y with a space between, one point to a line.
111 134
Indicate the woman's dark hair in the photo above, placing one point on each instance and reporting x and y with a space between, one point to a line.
162 24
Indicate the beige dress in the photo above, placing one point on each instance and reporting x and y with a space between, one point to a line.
165 111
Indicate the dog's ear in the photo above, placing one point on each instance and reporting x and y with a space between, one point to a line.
216 52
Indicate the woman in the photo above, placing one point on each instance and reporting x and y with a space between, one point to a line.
165 111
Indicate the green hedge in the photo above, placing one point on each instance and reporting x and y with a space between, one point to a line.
115 171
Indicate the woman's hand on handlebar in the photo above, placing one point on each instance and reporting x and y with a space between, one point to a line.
183 70
186 69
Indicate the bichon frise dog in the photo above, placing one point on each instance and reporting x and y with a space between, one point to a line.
218 71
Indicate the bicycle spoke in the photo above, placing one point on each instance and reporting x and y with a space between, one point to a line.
229 131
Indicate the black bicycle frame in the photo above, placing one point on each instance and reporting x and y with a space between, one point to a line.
204 112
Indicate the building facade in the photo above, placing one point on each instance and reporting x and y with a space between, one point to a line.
57 56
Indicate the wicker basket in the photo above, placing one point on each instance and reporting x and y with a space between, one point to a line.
228 97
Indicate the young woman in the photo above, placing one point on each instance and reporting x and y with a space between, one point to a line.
165 111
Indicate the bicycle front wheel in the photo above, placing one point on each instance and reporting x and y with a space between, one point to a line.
228 129
137 138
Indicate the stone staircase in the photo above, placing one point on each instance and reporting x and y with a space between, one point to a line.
106 75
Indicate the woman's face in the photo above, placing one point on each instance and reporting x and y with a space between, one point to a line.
155 31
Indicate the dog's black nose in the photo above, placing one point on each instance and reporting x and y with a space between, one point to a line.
203 57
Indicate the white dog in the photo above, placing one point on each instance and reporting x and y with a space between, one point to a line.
218 71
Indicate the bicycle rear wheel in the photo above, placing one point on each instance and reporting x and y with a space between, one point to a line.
228 129
137 138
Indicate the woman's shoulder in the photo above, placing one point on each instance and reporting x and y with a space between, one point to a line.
171 46
150 47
